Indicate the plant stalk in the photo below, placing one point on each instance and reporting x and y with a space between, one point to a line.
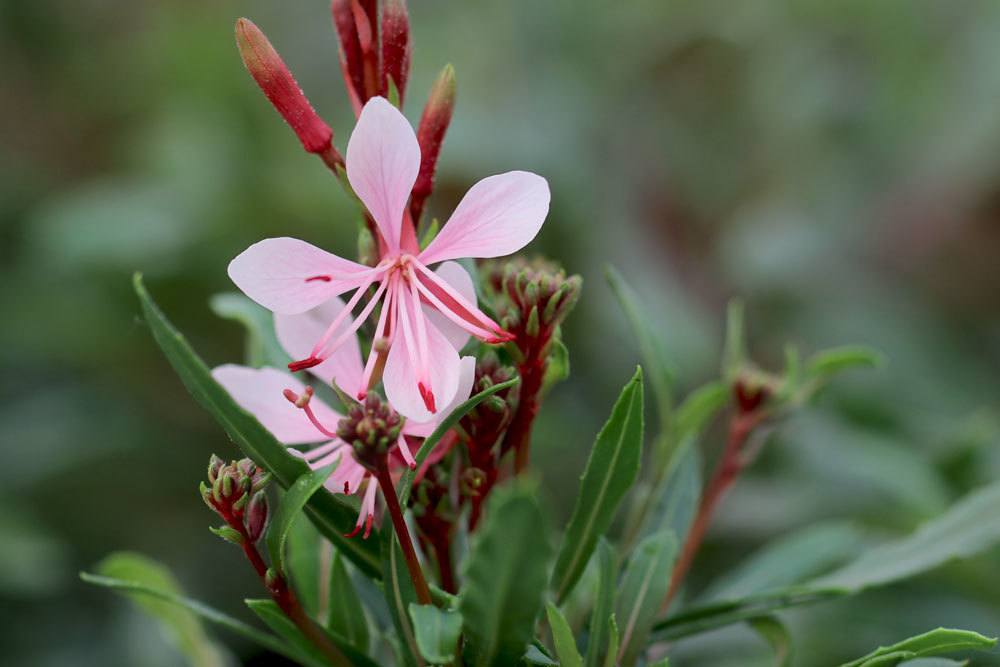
402 532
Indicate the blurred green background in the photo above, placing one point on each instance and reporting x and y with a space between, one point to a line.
836 164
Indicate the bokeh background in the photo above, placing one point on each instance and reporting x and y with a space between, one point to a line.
836 164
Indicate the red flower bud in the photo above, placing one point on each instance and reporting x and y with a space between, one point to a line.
273 77
396 47
430 135
351 64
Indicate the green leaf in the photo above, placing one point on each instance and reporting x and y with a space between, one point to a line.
698 409
406 481
969 527
678 495
935 642
294 500
332 517
611 660
151 593
734 353
650 350
643 588
437 632
399 594
534 656
303 554
789 560
604 604
304 650
262 346
504 586
611 470
181 624
557 368
347 614
562 635
828 362
776 635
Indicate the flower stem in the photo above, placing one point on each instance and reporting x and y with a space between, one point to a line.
402 532
518 438
731 463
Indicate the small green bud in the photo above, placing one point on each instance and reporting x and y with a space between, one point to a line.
532 327
228 533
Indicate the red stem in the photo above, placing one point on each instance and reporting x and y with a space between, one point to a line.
402 532
518 438
731 463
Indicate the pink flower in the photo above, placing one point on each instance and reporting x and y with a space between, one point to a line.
426 315
287 408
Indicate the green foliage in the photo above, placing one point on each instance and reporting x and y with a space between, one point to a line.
406 482
935 642
643 588
437 632
303 650
604 603
557 369
181 624
675 499
262 346
346 615
399 595
156 593
776 635
611 470
562 636
504 586
332 517
292 504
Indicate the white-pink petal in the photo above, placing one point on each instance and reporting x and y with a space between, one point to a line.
498 216
260 391
467 377
299 333
455 275
383 158
400 376
286 275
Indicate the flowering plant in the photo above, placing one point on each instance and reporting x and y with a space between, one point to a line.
398 421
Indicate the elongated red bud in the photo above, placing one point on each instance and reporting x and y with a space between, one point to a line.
430 135
396 47
351 63
273 77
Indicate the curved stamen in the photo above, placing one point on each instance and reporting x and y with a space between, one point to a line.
358 321
383 331
411 348
404 449
476 331
302 403
423 371
461 307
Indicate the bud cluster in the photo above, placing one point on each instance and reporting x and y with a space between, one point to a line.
371 428
236 492
535 296
486 422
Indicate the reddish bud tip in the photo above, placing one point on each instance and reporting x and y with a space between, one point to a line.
434 124
269 71
396 48
303 364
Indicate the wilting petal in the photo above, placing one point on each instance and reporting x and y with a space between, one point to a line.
259 391
400 375
299 333
499 215
287 275
455 275
466 378
383 159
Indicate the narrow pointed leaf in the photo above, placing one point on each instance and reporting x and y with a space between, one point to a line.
262 346
142 591
272 616
292 503
643 587
611 660
504 586
180 623
826 363
437 632
562 635
406 481
304 553
347 615
604 604
332 517
935 642
676 497
611 470
399 595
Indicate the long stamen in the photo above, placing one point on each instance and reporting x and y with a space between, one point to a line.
359 320
423 373
382 332
476 331
411 349
302 403
315 358
404 449
472 314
